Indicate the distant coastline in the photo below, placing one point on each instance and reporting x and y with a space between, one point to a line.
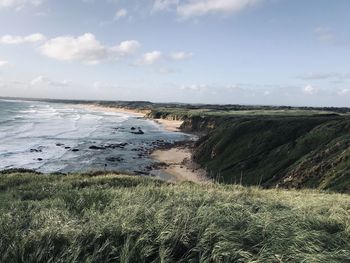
169 125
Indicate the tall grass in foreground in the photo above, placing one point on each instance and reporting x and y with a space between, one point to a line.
111 218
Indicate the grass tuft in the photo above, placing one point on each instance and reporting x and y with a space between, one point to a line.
115 218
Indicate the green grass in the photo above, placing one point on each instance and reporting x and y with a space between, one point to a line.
183 113
114 218
260 145
291 151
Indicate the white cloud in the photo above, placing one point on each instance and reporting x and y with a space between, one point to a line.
344 92
18 4
86 48
16 40
127 47
151 57
242 90
164 4
120 14
44 81
194 8
165 70
317 76
3 63
325 76
181 55
103 85
195 87
310 90
203 7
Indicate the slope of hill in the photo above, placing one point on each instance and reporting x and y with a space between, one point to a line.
298 152
290 147
269 146
115 218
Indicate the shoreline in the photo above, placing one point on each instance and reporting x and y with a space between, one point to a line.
112 109
168 125
175 161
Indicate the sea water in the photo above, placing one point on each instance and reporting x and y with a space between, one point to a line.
56 137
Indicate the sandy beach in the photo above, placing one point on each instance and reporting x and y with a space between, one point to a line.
114 109
179 165
178 160
169 125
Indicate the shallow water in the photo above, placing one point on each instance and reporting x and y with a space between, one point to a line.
50 137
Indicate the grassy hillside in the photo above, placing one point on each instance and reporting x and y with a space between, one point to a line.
113 218
290 151
292 147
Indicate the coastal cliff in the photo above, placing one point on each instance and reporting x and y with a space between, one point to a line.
287 147
270 151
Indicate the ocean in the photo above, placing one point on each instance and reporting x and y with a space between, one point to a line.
56 137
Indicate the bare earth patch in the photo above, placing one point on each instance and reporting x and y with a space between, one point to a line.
170 125
179 164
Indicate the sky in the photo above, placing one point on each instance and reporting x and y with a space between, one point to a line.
257 52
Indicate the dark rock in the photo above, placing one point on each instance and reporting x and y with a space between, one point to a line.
67 147
133 128
159 165
109 146
39 159
59 144
35 150
94 147
114 159
118 145
75 150
138 132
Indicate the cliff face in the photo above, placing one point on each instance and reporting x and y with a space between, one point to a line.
290 149
272 151
199 124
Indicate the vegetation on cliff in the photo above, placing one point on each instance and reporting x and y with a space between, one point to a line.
269 146
298 152
115 218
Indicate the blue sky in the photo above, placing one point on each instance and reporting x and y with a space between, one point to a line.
275 52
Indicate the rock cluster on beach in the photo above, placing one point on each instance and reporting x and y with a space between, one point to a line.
139 132
114 159
108 146
109 151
